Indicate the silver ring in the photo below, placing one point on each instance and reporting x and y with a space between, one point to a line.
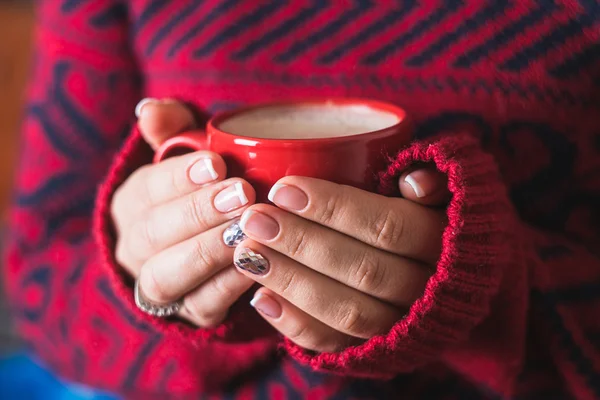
164 310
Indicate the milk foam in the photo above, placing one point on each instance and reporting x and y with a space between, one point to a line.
308 121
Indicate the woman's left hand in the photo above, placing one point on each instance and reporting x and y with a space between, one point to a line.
340 265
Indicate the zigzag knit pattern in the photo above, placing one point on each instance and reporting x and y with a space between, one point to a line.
506 99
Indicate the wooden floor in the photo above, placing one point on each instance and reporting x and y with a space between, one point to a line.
16 19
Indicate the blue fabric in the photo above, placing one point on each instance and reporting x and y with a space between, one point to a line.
22 378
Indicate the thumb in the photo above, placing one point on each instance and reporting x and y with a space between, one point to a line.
159 120
425 185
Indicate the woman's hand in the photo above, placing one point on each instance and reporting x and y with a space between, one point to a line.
171 218
340 265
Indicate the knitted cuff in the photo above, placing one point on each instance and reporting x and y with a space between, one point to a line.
458 296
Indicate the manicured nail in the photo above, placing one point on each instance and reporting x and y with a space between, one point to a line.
266 305
259 225
231 198
141 104
233 235
289 197
412 180
252 262
203 171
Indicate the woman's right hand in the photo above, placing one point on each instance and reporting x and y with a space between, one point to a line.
170 219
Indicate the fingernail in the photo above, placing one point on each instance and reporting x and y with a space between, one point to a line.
233 235
203 171
413 180
259 225
141 104
266 305
289 197
231 198
252 262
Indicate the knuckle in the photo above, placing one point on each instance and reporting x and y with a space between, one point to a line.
223 288
299 335
147 234
352 319
177 182
388 229
195 210
202 256
368 275
326 213
206 317
152 288
141 238
288 283
192 307
297 244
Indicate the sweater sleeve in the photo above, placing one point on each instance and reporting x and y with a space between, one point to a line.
72 304
504 295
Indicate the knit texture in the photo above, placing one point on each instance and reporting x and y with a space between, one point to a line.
505 97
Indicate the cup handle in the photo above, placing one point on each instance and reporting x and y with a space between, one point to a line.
184 143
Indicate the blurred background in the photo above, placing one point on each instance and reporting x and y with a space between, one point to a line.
16 22
21 377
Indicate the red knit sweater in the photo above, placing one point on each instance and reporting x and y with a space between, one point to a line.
506 100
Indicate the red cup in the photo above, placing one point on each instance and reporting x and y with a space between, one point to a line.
352 160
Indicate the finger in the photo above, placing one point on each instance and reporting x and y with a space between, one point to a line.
159 120
159 183
395 225
426 186
397 280
170 223
334 304
297 325
172 273
207 305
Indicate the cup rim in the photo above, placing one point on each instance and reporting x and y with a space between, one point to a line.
213 124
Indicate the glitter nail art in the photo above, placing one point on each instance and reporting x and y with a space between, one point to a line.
233 235
252 262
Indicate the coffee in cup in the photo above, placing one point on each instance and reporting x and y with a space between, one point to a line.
308 121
